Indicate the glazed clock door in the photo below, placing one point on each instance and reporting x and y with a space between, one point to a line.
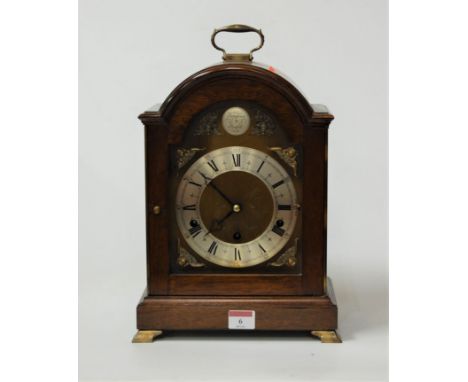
236 193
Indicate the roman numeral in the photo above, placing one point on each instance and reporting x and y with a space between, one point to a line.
190 207
212 164
207 179
213 248
263 249
237 255
277 184
195 231
260 167
195 184
236 159
284 207
278 230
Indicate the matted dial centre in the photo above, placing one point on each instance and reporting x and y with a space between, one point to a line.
249 215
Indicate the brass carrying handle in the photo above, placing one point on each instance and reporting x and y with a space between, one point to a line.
237 28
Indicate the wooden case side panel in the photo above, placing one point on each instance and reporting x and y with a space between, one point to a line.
157 235
314 211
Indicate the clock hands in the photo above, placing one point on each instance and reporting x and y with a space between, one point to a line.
218 224
220 192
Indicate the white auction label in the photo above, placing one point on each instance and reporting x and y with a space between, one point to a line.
241 319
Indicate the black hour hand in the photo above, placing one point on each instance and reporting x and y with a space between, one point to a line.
218 224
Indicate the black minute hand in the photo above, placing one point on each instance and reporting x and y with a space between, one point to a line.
220 192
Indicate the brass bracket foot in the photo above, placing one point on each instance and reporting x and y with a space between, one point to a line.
146 336
327 336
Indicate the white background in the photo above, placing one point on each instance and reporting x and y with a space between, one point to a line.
38 166
131 55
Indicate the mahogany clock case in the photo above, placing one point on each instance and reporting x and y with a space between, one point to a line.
284 299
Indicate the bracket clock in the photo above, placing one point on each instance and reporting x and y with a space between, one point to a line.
236 205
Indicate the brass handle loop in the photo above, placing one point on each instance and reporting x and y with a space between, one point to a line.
237 28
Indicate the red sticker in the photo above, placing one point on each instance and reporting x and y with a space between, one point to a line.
240 313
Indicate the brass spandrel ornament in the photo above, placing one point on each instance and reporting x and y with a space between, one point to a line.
185 259
288 258
184 155
288 155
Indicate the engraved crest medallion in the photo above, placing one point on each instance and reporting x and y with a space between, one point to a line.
236 121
